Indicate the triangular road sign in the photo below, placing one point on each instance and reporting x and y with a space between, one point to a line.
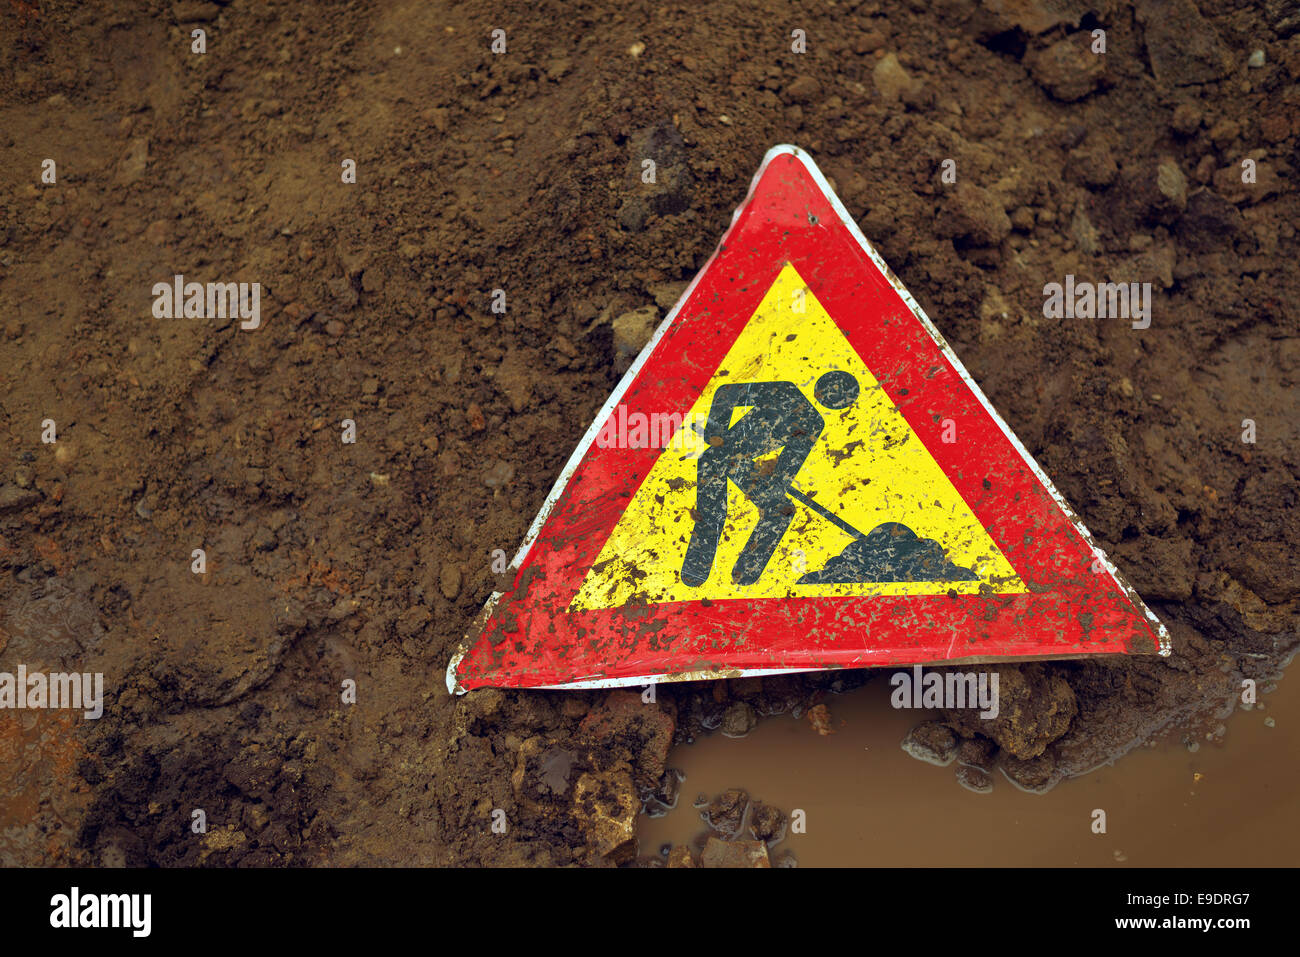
796 474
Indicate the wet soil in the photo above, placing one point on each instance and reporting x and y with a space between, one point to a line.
330 562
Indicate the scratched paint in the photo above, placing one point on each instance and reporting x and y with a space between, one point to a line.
994 567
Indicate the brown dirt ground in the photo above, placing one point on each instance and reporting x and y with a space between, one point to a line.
519 171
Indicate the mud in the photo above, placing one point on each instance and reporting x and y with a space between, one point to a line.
329 562
1219 795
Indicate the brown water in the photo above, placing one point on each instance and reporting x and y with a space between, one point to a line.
869 803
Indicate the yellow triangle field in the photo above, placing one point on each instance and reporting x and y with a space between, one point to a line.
867 467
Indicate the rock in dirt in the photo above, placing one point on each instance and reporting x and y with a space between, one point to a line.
931 742
1227 183
1209 222
1182 46
1283 16
977 215
974 779
670 191
1224 132
819 716
1186 119
1085 234
343 608
606 807
868 42
412 621
624 729
449 580
1068 69
528 780
134 162
666 294
499 475
1036 16
738 720
1172 185
767 823
1093 165
1147 192
264 539
632 330
734 854
994 313
680 856
1034 709
803 89
1037 775
977 752
664 797
514 376
15 499
726 812
892 81
253 773
1267 569
195 11
483 705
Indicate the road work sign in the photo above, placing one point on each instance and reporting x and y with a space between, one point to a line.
797 474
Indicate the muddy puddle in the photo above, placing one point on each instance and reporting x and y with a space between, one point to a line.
1228 802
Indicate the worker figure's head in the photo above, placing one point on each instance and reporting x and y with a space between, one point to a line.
836 390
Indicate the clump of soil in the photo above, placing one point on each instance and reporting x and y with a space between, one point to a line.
739 832
293 691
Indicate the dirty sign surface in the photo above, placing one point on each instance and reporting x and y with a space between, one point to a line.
797 473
